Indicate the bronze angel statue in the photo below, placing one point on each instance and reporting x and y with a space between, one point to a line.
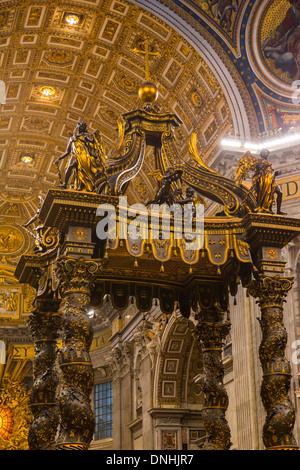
166 191
264 186
87 162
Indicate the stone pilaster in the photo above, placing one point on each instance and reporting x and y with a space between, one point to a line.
121 364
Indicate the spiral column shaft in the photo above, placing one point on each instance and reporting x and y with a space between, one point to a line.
44 326
211 331
280 419
76 416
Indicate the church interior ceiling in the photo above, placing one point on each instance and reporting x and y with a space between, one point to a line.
73 60
269 68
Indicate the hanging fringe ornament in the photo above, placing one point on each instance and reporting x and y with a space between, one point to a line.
219 271
106 254
202 253
191 270
136 264
162 268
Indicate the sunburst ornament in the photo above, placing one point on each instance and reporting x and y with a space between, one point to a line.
15 414
6 422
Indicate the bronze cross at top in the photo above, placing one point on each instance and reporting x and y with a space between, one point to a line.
147 53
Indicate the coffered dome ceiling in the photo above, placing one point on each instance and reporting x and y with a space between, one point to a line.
74 60
69 61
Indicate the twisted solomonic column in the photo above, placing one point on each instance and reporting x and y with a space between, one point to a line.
76 416
280 420
44 325
211 331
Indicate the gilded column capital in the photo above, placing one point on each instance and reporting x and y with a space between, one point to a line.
75 274
212 335
270 290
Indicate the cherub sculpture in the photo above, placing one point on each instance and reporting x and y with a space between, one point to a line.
166 192
40 247
87 159
264 186
41 233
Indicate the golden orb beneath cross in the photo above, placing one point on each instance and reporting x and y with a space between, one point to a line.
148 92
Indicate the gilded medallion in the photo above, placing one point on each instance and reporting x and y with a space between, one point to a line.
11 239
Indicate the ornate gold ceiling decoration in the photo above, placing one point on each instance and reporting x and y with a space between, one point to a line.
58 72
15 299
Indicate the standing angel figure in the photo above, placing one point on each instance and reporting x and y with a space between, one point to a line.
87 159
264 185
